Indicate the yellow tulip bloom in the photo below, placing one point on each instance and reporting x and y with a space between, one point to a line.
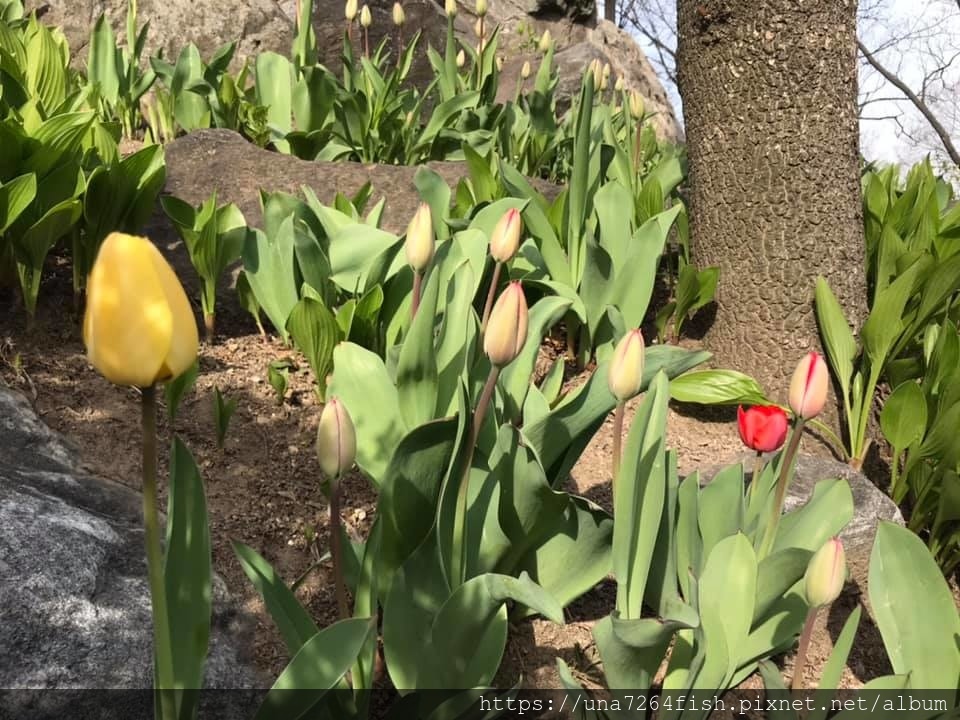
139 328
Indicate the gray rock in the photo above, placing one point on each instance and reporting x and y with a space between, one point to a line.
74 600
208 160
257 25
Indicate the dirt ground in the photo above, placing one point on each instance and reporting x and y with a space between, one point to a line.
263 486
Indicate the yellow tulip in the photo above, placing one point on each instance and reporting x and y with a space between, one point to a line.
366 19
450 7
399 17
546 42
420 244
826 573
139 328
625 373
350 10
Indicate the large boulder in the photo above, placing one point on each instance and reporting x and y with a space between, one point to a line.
74 600
222 161
257 25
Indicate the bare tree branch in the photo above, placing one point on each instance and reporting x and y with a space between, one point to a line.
919 104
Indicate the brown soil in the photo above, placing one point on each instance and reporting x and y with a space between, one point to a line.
263 486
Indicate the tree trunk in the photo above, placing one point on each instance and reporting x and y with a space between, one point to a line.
610 10
769 94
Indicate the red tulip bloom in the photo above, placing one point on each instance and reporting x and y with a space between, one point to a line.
762 427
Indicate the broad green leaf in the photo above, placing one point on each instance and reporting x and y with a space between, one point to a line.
627 667
838 340
914 609
717 387
776 574
822 517
314 329
315 669
417 376
294 623
15 197
904 415
268 263
187 569
361 381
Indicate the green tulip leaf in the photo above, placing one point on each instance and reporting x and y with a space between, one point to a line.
903 419
717 387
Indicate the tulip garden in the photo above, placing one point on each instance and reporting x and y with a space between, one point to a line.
429 460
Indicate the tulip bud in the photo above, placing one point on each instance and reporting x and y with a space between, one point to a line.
336 439
507 328
139 328
762 427
596 69
450 7
478 28
636 104
461 58
419 245
826 574
625 373
366 19
350 10
525 70
499 63
398 15
408 119
808 388
618 85
546 42
505 240
605 76
481 8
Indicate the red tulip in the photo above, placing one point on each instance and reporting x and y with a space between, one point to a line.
762 427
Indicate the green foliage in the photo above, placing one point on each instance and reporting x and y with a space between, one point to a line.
177 388
223 410
214 237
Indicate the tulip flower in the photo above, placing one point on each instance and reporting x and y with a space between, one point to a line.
822 584
625 374
504 243
350 10
461 59
762 427
505 240
419 247
139 328
507 329
366 19
595 68
481 8
825 574
808 388
450 8
619 85
399 17
546 42
525 70
636 105
624 378
336 440
336 451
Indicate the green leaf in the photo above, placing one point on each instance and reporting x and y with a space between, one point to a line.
294 623
717 387
721 507
315 669
417 376
187 569
15 197
353 251
222 412
776 574
838 340
627 667
362 383
904 416
639 493
914 609
314 329
833 669
178 387
268 263
822 517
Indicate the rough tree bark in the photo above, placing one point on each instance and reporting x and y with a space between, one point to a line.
769 92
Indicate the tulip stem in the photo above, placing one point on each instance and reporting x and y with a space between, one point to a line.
755 478
786 473
209 326
617 441
366 42
490 295
163 656
458 559
801 658
336 549
417 290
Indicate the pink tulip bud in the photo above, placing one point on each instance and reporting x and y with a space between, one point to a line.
625 374
336 439
505 240
808 388
507 328
419 245
826 574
